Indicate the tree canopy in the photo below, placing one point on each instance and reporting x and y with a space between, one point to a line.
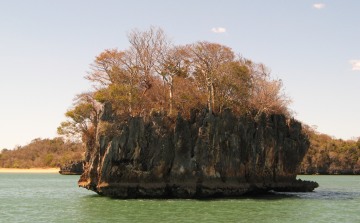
153 74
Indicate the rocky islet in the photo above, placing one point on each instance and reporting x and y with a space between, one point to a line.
202 156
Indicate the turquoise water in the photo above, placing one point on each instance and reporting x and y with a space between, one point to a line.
56 198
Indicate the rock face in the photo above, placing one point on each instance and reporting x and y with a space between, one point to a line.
205 156
72 168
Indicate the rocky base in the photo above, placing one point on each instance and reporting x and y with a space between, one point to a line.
332 172
202 157
132 191
72 168
297 186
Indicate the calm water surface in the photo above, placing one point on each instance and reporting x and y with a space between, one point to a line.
56 198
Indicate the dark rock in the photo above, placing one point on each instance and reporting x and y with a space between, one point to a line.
72 168
298 186
205 156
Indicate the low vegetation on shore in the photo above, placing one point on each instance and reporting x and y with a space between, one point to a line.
328 155
42 153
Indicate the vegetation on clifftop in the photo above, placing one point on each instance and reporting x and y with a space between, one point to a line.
154 75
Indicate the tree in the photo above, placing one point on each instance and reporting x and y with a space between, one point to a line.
146 53
266 94
207 60
123 91
126 76
82 120
232 87
176 64
113 75
106 68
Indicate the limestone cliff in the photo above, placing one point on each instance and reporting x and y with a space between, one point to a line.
204 156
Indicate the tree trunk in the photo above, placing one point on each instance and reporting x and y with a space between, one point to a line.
130 102
210 100
171 97
212 97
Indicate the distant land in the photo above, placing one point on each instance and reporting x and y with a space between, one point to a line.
42 153
328 155
29 170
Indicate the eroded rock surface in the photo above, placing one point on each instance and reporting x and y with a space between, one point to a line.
205 156
72 168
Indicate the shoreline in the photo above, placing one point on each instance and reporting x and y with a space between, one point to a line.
30 170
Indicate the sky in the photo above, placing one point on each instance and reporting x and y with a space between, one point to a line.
46 47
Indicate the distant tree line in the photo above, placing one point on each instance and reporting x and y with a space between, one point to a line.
328 155
42 153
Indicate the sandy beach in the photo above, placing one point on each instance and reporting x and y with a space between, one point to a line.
31 170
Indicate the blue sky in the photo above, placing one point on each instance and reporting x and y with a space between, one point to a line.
46 48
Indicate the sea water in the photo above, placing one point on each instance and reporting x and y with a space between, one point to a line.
57 198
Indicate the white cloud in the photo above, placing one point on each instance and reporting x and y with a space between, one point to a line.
218 30
355 64
319 5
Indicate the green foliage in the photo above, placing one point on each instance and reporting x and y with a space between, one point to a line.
119 97
68 129
42 153
80 113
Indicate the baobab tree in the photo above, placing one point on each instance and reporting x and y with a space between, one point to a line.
207 60
266 93
147 51
232 87
176 64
